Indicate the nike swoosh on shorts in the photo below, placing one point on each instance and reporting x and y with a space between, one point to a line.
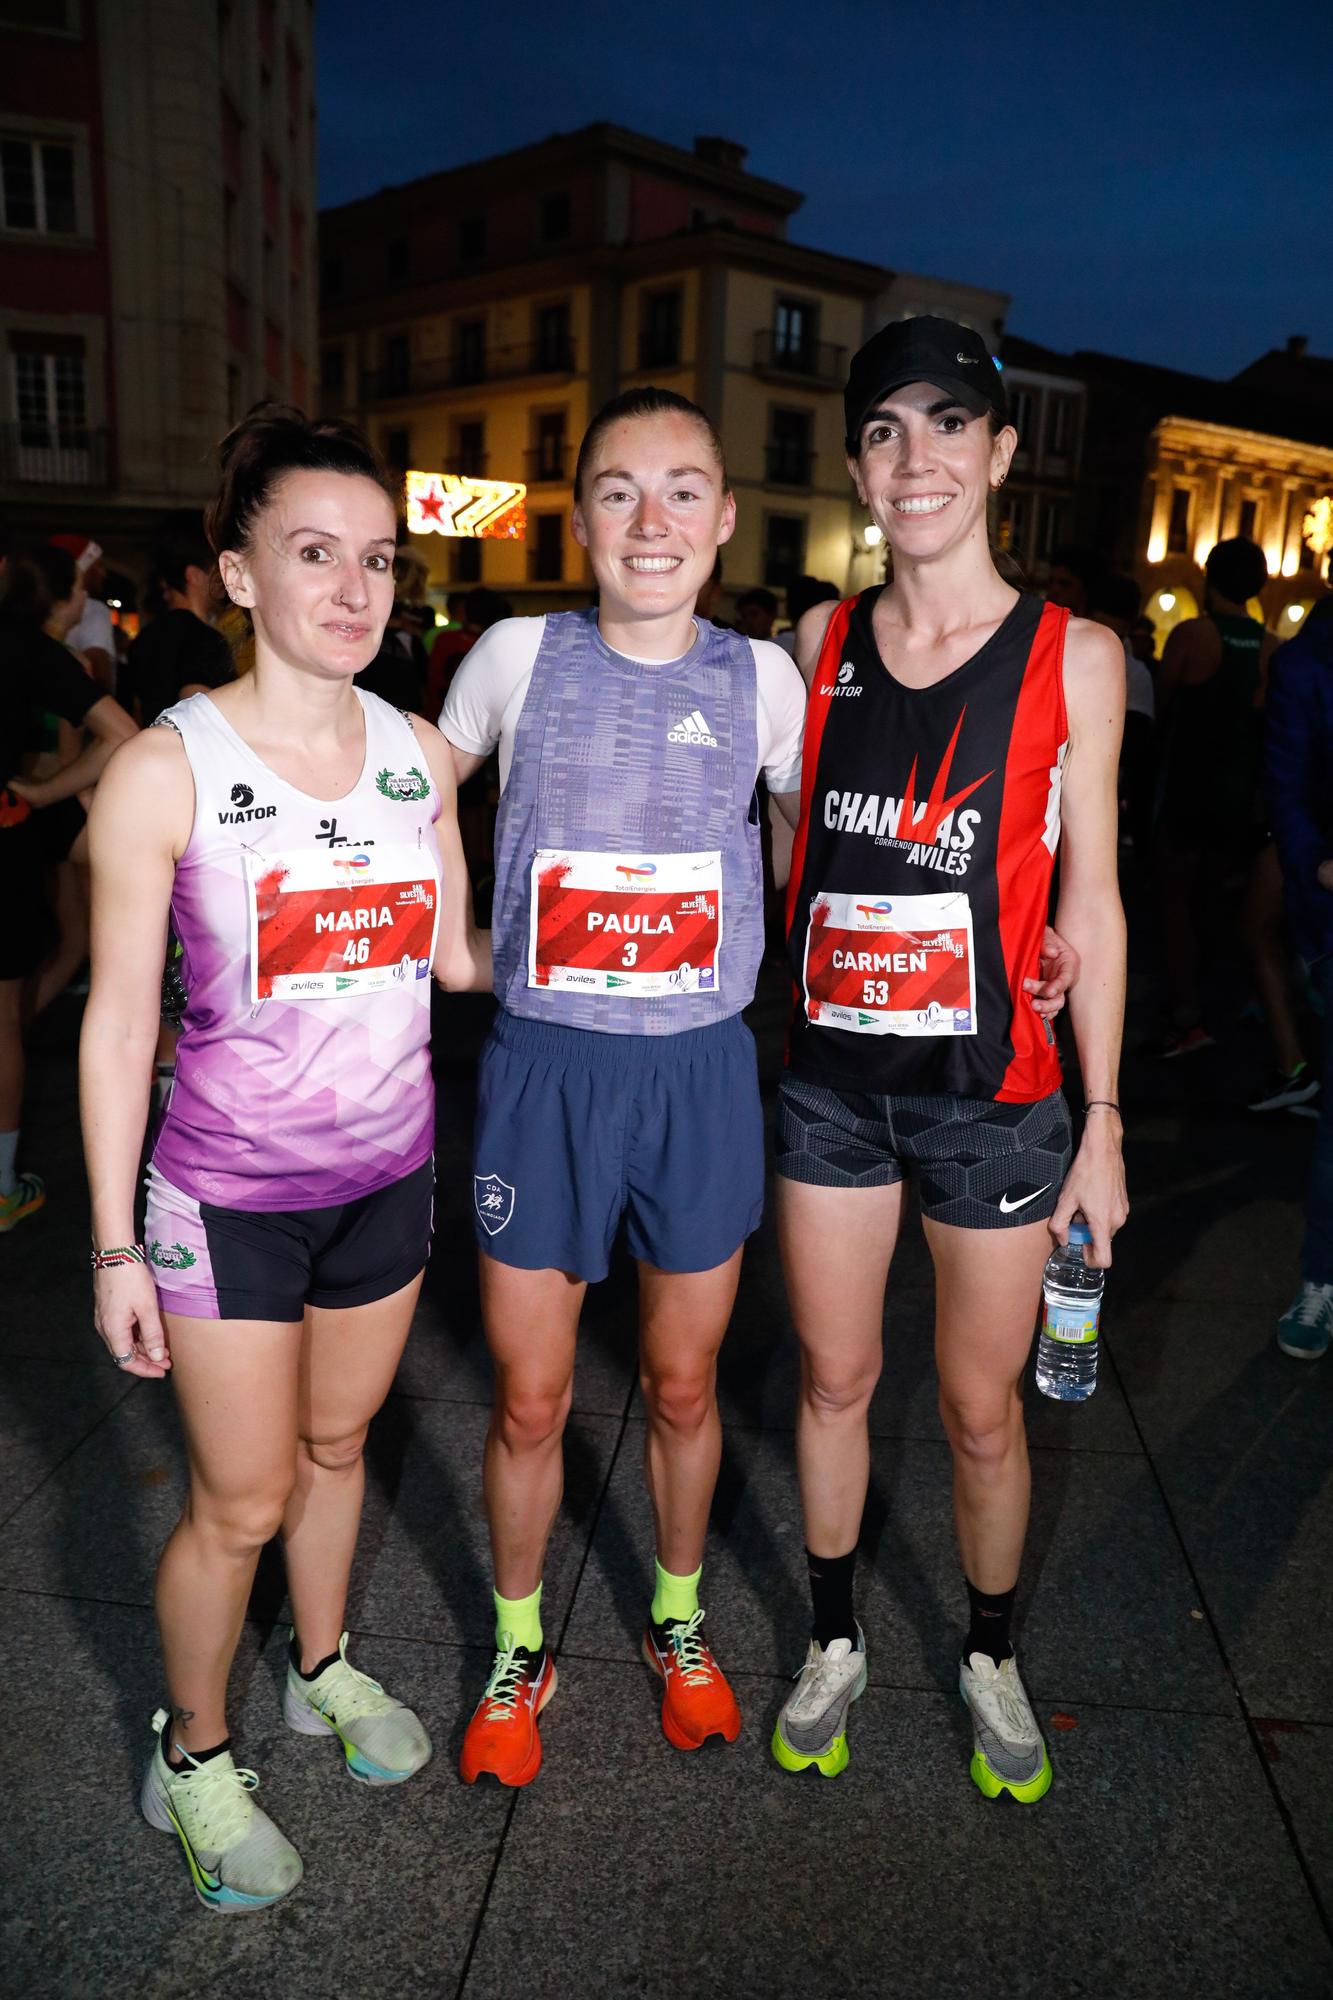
1007 1207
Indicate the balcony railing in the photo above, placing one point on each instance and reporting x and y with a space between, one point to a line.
815 361
463 370
548 465
41 455
784 465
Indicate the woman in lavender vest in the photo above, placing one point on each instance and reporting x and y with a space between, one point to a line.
619 1084
303 838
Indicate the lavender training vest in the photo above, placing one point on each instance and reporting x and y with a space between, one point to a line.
610 758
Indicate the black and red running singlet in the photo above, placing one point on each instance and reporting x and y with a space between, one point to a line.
921 872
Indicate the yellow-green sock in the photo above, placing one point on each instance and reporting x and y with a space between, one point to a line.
521 1618
675 1596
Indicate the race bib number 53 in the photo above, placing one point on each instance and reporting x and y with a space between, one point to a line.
632 925
900 965
326 925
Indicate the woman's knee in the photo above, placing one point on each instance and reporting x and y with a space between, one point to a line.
529 1417
841 1388
336 1454
239 1524
983 1430
678 1401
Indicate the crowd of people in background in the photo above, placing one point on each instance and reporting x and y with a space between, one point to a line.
1226 830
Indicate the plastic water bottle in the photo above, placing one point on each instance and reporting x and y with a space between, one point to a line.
1072 1292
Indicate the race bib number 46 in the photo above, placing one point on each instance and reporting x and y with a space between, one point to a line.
326 925
900 965
633 925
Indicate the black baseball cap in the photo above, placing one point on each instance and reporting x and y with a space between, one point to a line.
924 349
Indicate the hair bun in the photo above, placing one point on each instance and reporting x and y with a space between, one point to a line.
271 440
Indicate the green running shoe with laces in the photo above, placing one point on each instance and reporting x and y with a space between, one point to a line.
383 1742
239 1861
27 1196
1009 1752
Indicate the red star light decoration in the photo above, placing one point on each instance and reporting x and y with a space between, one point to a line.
448 503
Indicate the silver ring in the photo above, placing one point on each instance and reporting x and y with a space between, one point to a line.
121 1359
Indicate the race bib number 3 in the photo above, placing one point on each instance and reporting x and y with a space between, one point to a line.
326 925
900 965
630 925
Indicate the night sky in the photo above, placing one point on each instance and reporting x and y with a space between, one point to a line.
1153 181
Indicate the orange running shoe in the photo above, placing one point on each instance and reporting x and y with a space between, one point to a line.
503 1737
697 1701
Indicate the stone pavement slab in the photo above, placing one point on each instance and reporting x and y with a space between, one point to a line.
46 1411
1259 1531
1300 1759
1155 1866
1206 1378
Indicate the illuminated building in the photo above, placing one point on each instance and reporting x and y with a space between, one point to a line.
474 320
1166 463
1207 482
156 249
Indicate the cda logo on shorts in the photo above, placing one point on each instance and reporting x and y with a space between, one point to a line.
494 1199
405 787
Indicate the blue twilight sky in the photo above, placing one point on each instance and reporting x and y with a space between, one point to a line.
1153 180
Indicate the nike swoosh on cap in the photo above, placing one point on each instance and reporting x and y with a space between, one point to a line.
1007 1207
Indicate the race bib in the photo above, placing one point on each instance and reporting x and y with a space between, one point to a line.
354 921
900 965
632 925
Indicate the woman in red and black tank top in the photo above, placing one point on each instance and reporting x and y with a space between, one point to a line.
949 792
959 732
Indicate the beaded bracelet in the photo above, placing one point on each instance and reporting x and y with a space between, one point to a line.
1105 1103
121 1253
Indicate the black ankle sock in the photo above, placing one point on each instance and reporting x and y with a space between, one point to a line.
989 1619
831 1596
294 1655
199 1756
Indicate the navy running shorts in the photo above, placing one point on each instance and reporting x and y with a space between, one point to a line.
978 1164
576 1129
229 1263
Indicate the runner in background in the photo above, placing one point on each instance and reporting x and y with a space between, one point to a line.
301 836
37 675
958 733
1298 772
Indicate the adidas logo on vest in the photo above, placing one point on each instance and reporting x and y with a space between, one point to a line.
693 729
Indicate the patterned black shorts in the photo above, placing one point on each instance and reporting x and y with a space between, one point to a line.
978 1164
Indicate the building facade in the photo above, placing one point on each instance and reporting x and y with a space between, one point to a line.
157 225
476 319
1040 503
1150 467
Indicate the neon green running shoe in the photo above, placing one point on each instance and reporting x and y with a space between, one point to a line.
1008 1754
812 1728
383 1742
239 1861
27 1196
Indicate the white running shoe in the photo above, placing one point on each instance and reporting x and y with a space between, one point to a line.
1009 1754
239 1860
812 1728
383 1742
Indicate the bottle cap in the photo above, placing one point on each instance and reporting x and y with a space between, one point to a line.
1079 1232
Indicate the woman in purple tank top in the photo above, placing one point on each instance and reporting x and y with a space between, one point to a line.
301 835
